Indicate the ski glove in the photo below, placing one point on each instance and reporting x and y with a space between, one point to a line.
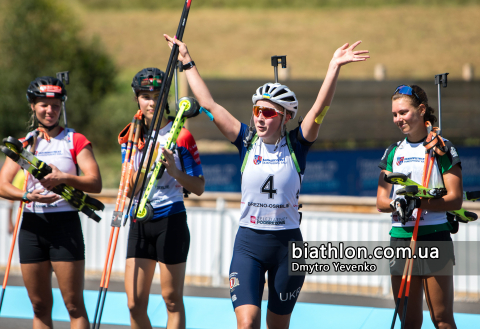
405 207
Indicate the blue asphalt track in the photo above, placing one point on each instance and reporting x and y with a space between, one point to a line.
212 313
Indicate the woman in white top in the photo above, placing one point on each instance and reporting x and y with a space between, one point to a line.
273 163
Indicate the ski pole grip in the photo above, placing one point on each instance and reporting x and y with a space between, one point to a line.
441 79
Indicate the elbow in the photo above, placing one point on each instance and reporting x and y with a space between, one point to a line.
457 205
200 191
97 188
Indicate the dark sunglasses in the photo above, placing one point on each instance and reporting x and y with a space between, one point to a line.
406 90
268 112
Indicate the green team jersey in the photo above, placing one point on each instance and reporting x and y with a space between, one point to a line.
408 158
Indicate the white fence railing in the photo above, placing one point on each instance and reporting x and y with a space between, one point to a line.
212 236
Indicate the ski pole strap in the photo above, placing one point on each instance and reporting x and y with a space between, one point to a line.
435 141
207 112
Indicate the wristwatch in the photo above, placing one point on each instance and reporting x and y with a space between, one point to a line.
25 199
188 66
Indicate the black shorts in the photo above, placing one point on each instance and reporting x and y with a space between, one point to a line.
425 246
256 252
165 240
55 237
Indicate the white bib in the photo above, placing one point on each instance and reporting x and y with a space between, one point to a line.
270 188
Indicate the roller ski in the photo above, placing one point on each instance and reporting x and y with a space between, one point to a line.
187 107
15 150
411 188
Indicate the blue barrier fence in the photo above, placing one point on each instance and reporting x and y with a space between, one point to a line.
331 172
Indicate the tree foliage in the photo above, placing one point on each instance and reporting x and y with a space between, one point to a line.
41 38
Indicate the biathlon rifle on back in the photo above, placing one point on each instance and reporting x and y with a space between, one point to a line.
65 78
16 151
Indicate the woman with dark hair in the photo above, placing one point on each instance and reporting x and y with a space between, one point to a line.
51 235
165 238
274 163
410 111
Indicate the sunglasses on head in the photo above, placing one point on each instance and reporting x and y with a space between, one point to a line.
406 90
268 112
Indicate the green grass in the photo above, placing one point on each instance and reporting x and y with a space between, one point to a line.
412 42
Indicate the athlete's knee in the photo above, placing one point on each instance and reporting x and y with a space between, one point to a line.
444 322
75 309
42 308
137 306
173 300
246 322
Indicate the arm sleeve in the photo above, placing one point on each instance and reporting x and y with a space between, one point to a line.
449 159
79 143
387 159
242 150
187 149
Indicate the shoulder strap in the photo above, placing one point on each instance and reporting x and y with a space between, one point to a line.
292 154
69 140
245 159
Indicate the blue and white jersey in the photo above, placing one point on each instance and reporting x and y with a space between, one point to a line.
271 183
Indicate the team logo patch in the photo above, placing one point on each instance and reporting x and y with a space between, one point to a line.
233 281
453 152
253 219
400 160
257 160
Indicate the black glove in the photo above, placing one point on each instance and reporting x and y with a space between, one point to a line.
405 207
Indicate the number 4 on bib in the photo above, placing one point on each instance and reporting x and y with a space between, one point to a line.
267 187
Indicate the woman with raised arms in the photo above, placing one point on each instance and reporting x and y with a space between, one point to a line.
273 166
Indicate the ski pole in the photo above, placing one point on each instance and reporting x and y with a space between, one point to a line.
12 247
427 171
64 77
118 220
127 169
161 104
15 231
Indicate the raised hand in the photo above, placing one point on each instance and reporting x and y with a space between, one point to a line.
183 54
346 54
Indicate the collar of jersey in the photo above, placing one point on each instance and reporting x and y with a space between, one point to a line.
420 141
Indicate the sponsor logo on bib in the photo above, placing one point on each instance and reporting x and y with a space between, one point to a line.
257 160
400 160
